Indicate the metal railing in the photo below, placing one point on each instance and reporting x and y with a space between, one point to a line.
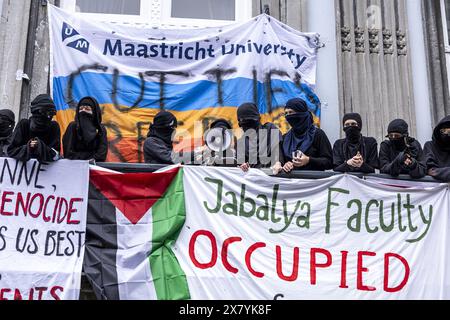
296 174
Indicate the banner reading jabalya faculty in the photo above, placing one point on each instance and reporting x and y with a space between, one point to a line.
199 75
251 236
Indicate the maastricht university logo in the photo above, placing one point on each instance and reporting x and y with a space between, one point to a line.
80 44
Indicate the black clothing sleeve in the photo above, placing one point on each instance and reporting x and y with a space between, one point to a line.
67 141
339 161
431 161
387 166
371 161
46 151
70 141
396 167
102 149
323 158
417 170
156 152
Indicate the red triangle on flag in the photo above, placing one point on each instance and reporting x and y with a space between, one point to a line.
133 193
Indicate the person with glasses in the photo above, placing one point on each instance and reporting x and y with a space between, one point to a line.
305 146
437 152
38 137
86 137
158 147
401 154
355 153
7 122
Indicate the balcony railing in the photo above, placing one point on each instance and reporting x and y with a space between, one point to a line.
296 174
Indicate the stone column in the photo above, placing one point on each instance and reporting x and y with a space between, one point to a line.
321 18
419 71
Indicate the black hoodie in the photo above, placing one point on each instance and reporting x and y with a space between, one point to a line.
437 155
392 160
7 123
49 142
74 145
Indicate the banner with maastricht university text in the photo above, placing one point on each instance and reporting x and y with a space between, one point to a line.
199 75
42 229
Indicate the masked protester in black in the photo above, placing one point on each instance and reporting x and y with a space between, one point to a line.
260 146
7 122
158 148
86 137
38 137
219 148
437 152
355 153
401 154
316 153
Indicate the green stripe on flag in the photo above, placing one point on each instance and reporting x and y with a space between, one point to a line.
168 215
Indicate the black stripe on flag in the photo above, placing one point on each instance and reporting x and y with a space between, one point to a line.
101 246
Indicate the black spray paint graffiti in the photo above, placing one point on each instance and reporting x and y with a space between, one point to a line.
69 99
162 80
217 76
114 90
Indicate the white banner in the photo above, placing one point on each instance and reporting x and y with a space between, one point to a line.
250 236
199 75
42 228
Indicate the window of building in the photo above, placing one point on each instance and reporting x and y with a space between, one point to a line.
204 9
132 7
164 13
445 10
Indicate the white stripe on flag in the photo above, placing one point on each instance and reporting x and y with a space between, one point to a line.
134 276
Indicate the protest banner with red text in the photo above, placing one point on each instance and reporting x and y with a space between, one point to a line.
42 228
250 236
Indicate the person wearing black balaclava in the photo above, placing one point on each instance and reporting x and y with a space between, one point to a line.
158 147
218 149
306 138
401 154
260 146
436 157
86 137
355 153
38 137
7 122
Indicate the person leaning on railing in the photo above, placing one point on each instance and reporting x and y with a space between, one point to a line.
38 137
86 137
158 147
355 153
437 152
7 122
305 147
401 154
260 146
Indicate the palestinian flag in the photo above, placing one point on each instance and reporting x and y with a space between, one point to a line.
133 221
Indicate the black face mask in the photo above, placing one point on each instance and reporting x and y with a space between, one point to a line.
399 144
87 126
6 128
300 122
353 133
247 124
164 133
40 123
445 138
